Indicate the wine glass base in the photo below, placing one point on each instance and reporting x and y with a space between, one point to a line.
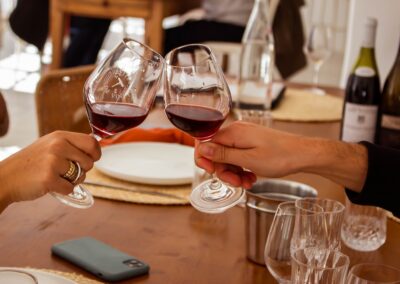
203 201
79 198
317 91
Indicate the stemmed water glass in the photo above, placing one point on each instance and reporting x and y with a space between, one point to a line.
197 101
279 247
118 95
318 49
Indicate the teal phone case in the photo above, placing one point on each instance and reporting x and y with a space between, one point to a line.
100 259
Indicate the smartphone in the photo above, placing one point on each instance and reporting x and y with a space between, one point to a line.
100 259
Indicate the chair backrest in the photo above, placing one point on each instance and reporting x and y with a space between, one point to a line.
59 100
387 37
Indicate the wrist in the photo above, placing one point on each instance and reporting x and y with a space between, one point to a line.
341 162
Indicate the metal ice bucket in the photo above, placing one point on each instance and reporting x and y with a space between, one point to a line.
262 201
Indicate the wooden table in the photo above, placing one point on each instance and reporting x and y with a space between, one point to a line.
181 244
152 11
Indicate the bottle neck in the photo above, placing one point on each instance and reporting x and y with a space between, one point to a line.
369 37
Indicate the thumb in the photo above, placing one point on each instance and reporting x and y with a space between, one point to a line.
221 154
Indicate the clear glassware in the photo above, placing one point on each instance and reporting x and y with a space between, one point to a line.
373 273
310 227
333 214
364 227
257 60
118 95
311 266
277 248
318 48
197 101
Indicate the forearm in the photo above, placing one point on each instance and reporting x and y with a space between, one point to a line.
343 163
4 188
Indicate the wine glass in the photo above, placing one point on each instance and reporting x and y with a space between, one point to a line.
288 221
118 95
373 273
318 49
197 101
277 248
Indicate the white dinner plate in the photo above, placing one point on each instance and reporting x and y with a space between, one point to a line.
41 276
148 162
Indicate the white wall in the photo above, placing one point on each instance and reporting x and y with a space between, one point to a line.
388 33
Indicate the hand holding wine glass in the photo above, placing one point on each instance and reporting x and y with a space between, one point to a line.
118 95
197 101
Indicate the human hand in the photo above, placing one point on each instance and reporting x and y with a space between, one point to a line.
38 168
260 150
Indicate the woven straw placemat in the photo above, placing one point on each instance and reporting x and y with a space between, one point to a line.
302 105
78 278
181 192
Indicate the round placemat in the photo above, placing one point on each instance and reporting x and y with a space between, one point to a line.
115 189
302 105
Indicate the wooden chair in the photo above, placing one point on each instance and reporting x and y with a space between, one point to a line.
59 100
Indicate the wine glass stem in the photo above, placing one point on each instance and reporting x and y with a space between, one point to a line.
317 67
216 190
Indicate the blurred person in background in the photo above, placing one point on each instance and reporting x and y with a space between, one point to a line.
370 173
30 21
225 20
41 167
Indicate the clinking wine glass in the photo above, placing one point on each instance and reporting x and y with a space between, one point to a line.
118 95
197 101
318 49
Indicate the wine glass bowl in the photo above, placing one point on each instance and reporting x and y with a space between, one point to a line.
197 101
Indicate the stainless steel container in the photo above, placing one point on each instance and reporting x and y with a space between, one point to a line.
262 200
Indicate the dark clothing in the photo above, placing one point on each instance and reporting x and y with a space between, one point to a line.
382 185
30 21
287 29
86 38
201 31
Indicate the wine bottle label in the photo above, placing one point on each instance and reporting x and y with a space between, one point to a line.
365 72
359 122
391 122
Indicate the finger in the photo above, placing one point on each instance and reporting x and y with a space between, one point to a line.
72 153
229 174
84 142
222 154
248 179
236 135
205 164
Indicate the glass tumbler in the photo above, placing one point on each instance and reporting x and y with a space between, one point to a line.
364 227
373 273
311 266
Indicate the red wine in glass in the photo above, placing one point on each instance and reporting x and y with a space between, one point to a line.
198 121
109 118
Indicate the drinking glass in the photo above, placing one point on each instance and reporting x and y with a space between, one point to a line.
310 266
277 254
318 49
364 227
197 101
373 273
333 214
118 95
310 229
277 249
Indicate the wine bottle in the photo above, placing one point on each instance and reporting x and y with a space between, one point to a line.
389 134
257 60
363 97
